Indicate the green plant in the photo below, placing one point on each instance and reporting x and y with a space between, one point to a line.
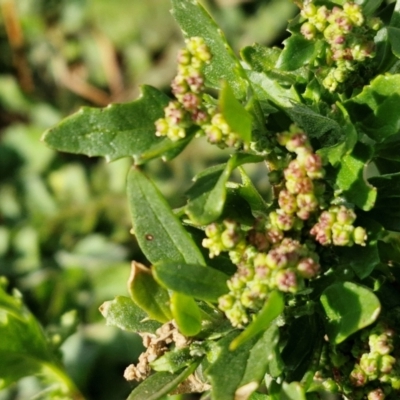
279 295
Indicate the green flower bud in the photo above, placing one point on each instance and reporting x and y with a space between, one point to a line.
376 394
386 363
369 364
308 31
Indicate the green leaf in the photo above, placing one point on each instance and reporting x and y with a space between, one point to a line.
237 117
24 349
351 179
197 281
186 314
263 357
148 294
367 256
119 130
173 361
292 391
158 231
349 308
227 370
298 51
315 124
375 109
335 153
126 315
386 210
160 384
207 196
224 66
272 308
249 192
272 90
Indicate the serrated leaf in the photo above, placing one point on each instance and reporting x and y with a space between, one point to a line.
351 179
200 282
160 384
237 117
119 130
148 294
272 308
224 66
298 51
186 314
349 308
375 108
126 315
158 231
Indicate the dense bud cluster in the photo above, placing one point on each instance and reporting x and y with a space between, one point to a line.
335 226
369 369
189 108
348 33
270 255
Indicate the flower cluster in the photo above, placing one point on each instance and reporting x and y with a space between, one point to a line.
301 196
188 88
367 369
335 226
189 108
272 254
349 36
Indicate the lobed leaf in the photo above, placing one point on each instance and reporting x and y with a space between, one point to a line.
349 308
158 231
119 130
375 109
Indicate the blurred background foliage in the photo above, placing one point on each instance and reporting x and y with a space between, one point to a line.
64 223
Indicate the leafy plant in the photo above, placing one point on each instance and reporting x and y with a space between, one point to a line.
279 295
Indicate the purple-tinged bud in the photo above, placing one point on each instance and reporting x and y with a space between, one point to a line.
303 214
274 235
213 230
386 364
258 240
191 101
327 219
226 302
345 216
294 170
297 141
286 281
307 202
376 394
285 221
184 57
200 117
322 235
174 112
313 162
195 82
179 85
369 364
287 202
214 134
358 377
342 236
276 259
308 31
308 268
